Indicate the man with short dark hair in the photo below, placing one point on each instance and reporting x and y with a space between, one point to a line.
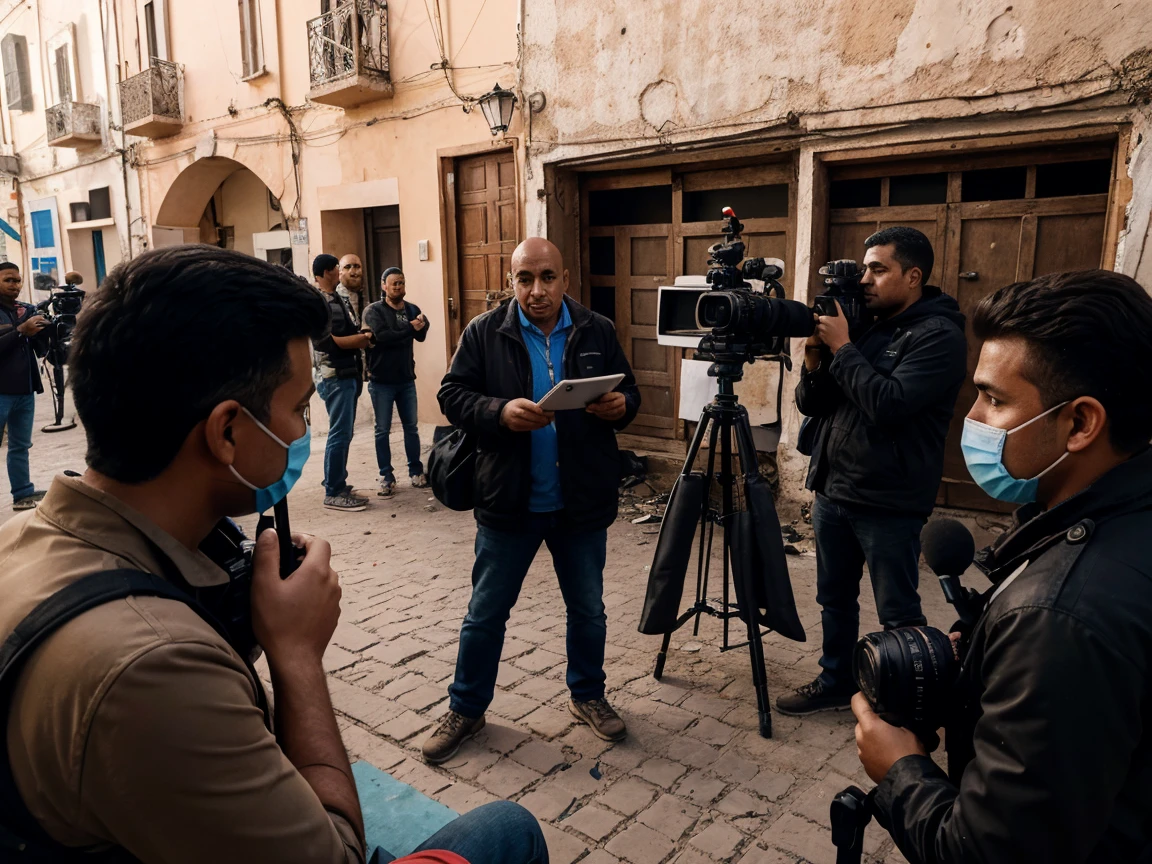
540 477
881 405
138 723
395 325
1049 748
20 341
339 381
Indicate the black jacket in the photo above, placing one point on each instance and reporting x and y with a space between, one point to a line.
19 374
1055 697
329 357
391 360
492 367
883 405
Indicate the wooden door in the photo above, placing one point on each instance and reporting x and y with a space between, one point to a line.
382 245
487 232
644 262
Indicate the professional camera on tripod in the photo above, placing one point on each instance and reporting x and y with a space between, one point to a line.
908 675
64 303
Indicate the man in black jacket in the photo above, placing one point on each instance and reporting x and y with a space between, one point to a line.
1049 751
540 478
395 325
20 329
881 407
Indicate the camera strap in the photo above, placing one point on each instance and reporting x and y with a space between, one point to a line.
21 836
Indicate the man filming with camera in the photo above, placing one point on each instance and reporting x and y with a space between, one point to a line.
880 406
138 727
1049 753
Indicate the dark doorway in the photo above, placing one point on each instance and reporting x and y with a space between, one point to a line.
382 242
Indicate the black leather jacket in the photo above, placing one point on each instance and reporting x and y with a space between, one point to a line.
492 367
1052 743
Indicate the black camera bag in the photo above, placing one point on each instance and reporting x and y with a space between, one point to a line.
451 470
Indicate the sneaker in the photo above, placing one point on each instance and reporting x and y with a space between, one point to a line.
447 737
600 717
387 487
29 502
814 697
344 501
419 481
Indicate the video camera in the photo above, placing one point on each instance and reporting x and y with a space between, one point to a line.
732 317
64 303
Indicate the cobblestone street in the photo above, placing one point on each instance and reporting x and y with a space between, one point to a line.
692 783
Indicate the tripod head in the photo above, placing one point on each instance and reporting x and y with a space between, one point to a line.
850 813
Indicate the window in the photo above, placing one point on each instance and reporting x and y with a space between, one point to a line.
43 237
17 83
63 75
749 202
98 255
156 29
100 204
252 55
643 205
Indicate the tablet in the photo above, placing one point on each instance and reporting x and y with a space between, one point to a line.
579 392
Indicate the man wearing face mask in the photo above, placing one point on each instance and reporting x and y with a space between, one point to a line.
1050 754
880 406
137 724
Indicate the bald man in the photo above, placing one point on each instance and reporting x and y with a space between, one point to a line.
351 287
540 477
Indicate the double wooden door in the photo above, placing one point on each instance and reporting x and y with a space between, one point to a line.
981 246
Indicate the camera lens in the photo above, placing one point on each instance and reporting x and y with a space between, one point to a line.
715 309
907 674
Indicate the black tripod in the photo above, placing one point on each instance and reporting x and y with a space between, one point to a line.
723 420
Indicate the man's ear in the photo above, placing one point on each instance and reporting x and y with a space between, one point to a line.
565 281
1089 422
220 433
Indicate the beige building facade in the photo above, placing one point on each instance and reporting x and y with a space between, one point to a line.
1015 136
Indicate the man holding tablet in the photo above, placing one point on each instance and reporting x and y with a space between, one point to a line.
540 477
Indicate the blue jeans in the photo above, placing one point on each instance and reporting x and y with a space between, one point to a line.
502 561
16 413
847 536
497 833
340 396
404 396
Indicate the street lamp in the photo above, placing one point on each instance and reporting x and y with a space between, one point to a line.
497 105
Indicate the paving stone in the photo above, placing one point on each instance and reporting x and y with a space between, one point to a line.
741 804
579 780
660 771
398 650
599 856
369 708
673 718
699 788
507 778
720 840
405 726
692 855
507 675
623 755
581 739
539 756
628 795
352 638
708 706
539 690
563 848
639 844
424 696
733 766
511 705
548 802
691 752
404 684
362 744
593 822
336 658
500 737
813 804
801 838
538 661
669 694
756 855
548 722
771 785
671 816
712 731
471 760
462 797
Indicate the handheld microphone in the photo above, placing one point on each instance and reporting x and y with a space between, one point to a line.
948 551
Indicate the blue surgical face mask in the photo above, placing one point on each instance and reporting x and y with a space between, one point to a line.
983 448
298 453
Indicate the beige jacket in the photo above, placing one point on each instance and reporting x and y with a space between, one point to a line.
136 724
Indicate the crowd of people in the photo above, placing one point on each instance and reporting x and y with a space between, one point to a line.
138 729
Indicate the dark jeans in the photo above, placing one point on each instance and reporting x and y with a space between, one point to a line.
16 414
404 396
846 537
340 396
502 561
497 833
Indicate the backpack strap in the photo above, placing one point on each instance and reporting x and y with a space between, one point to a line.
21 836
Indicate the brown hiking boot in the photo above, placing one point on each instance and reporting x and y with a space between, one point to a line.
446 738
600 717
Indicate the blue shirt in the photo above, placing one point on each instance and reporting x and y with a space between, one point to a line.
547 356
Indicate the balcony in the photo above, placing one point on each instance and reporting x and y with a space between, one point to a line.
152 102
73 124
348 54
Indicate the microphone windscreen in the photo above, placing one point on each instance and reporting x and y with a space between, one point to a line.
73 278
948 547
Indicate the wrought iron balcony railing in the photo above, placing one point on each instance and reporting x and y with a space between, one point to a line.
348 53
73 124
152 102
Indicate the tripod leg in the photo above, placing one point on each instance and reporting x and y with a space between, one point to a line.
658 672
58 377
707 526
743 435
